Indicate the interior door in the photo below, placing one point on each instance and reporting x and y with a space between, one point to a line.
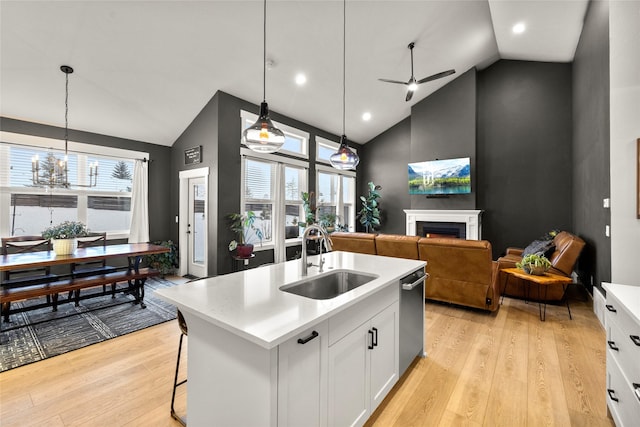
197 228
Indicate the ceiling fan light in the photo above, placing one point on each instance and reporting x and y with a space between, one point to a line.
413 86
344 158
263 136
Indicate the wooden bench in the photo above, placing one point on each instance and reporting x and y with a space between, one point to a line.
51 289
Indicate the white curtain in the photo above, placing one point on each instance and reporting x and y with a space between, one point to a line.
279 250
139 229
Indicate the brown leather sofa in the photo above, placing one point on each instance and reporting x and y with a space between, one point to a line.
460 271
567 250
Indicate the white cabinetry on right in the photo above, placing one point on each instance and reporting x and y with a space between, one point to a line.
363 358
622 320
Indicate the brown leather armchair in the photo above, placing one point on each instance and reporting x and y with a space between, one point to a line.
460 272
567 250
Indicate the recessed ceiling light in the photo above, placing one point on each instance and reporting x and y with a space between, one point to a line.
366 116
519 28
301 79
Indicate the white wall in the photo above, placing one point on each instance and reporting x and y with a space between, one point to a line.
624 33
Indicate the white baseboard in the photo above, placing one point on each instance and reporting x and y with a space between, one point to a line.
599 302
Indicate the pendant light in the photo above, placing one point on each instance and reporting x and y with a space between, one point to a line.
54 172
344 158
263 136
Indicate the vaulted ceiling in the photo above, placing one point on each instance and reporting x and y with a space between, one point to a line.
145 69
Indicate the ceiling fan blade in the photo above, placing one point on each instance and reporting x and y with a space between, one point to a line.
393 81
409 95
437 76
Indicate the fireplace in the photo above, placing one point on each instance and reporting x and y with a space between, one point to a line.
444 222
457 230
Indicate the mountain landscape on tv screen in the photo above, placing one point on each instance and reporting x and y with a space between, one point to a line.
452 176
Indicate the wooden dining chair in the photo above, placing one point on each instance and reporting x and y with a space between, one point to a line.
26 277
90 268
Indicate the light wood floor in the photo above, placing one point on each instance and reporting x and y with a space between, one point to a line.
506 368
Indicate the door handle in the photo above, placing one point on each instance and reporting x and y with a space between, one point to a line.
370 346
375 337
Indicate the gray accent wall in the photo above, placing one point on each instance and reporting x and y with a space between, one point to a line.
384 161
591 147
443 126
159 177
524 151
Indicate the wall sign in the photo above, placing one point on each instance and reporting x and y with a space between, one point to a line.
193 155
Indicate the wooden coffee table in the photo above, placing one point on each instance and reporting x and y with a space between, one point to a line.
545 280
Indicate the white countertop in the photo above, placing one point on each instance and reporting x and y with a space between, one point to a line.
250 304
628 295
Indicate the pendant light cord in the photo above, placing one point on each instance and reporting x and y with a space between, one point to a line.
66 113
264 52
344 61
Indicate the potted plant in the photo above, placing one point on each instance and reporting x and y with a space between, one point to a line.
165 262
536 264
328 221
244 226
370 213
64 236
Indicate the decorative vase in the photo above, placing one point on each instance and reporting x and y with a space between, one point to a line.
64 246
245 250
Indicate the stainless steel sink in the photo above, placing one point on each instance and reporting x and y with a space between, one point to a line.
329 285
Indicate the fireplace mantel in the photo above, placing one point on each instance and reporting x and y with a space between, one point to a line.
469 217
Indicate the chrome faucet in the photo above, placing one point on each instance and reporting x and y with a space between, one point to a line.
324 241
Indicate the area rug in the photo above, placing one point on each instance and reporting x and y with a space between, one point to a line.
38 334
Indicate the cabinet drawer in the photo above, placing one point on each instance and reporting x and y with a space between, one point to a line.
625 351
348 320
622 400
619 314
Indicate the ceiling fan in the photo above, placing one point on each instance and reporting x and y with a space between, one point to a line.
412 83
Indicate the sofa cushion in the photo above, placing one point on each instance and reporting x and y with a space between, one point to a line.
363 243
398 246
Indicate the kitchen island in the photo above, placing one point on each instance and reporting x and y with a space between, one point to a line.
260 356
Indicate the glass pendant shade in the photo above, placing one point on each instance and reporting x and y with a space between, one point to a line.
344 158
263 136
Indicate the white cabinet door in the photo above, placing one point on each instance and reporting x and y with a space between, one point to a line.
348 393
363 367
385 353
302 366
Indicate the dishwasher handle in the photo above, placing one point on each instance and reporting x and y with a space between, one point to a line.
410 286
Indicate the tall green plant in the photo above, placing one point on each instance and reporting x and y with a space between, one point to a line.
308 204
370 213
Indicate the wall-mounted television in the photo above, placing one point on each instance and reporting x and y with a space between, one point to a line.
436 177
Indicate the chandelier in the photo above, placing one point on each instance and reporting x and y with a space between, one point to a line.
53 172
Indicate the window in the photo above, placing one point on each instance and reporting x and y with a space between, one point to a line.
336 195
27 210
326 148
272 190
296 142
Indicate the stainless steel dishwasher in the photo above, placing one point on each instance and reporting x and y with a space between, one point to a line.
411 318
